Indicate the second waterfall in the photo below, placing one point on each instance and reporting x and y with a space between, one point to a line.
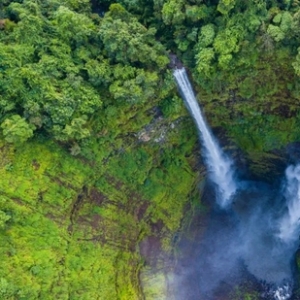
219 166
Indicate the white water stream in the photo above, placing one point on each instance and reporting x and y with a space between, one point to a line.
218 164
290 223
221 173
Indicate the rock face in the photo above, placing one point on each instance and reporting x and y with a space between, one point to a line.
157 131
175 63
97 219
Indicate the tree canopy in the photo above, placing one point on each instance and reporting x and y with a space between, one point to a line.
65 63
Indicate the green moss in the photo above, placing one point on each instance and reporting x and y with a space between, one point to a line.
156 285
73 233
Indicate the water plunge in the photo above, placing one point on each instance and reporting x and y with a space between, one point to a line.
259 229
219 165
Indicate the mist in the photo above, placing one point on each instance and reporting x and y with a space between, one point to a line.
254 239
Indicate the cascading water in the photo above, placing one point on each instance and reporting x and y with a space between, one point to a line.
290 223
219 165
265 246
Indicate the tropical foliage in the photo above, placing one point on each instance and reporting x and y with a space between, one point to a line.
97 152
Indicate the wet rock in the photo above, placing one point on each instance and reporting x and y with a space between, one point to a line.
144 136
175 63
150 249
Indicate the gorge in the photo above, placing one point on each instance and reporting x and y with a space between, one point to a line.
261 228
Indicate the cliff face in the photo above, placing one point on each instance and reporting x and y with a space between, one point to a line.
90 230
96 229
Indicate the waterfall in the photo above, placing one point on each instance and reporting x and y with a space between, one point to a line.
218 164
265 245
290 224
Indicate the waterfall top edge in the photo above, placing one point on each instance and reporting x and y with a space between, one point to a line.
175 63
179 71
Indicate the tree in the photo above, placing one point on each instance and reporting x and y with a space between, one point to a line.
207 35
204 61
173 12
16 130
3 219
225 6
75 130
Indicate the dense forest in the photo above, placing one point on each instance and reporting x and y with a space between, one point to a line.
100 165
